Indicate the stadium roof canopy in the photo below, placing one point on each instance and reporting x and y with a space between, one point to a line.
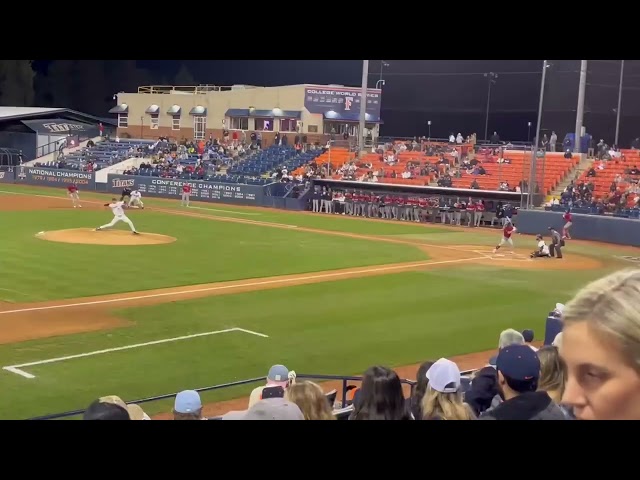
20 113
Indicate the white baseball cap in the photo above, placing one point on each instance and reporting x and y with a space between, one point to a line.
444 376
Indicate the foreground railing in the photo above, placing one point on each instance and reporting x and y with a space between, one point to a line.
342 378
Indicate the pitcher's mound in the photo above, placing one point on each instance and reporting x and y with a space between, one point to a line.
104 237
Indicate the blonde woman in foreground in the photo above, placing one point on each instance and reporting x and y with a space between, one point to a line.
443 398
601 347
310 398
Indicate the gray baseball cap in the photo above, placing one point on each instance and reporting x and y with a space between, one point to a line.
274 409
278 373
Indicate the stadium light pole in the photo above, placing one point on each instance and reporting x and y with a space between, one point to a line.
619 103
534 149
363 105
491 76
582 87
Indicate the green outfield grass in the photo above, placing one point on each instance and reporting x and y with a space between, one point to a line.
335 328
338 327
206 251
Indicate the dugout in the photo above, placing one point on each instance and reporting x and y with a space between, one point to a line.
36 132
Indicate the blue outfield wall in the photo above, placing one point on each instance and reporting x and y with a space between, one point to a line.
601 228
7 175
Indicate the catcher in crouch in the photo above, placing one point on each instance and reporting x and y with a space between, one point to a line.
543 248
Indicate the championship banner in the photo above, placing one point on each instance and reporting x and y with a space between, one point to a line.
54 177
200 190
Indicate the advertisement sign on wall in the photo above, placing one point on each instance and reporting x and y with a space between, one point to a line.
53 177
343 101
7 175
200 190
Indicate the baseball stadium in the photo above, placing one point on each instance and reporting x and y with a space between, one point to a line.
158 271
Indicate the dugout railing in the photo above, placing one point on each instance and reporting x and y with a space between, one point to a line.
343 399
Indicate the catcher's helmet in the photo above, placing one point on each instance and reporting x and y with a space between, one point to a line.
538 237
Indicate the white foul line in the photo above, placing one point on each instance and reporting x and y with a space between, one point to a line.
224 211
245 285
17 368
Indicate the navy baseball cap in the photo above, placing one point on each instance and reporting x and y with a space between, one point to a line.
518 362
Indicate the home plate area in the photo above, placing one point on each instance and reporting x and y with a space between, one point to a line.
504 254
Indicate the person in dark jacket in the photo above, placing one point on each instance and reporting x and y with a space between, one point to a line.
484 387
518 369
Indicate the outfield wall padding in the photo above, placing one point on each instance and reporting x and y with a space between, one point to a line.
601 228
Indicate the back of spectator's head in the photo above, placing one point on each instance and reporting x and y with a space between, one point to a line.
553 372
528 336
187 406
510 337
105 411
443 399
135 411
274 409
518 369
311 400
380 397
279 376
420 388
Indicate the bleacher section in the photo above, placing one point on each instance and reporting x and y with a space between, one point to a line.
554 168
605 177
271 158
102 155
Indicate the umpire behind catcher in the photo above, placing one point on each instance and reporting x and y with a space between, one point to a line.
555 249
126 192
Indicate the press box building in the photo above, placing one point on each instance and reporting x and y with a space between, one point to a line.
205 110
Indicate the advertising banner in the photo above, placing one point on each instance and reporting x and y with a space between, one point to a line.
7 174
56 126
342 101
54 177
200 190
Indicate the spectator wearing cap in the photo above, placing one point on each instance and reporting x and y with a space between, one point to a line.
518 369
269 409
105 411
443 399
278 376
380 397
528 336
311 400
601 347
187 406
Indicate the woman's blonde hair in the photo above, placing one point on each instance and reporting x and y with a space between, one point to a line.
311 400
446 406
610 305
553 372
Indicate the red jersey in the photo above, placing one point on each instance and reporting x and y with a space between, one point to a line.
388 200
400 201
471 207
507 231
568 217
348 196
72 189
423 202
186 188
480 207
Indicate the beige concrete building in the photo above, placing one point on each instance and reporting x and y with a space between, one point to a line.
199 112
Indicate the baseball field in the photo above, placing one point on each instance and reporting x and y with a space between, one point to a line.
213 294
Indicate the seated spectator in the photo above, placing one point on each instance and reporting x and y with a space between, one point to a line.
187 406
134 411
443 399
518 369
380 397
483 391
553 376
528 336
415 402
269 409
278 376
507 337
311 400
105 411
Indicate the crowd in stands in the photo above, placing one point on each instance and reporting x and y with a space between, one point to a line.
588 372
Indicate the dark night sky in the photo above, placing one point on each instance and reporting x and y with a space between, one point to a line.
450 93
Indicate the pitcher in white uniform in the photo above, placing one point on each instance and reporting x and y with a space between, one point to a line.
135 199
118 216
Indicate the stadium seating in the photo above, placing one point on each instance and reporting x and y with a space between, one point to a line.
271 158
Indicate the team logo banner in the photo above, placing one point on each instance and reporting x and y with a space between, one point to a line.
54 177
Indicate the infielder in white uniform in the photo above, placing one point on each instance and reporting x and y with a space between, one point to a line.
118 216
135 199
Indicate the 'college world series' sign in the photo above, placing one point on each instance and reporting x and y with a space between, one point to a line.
343 101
